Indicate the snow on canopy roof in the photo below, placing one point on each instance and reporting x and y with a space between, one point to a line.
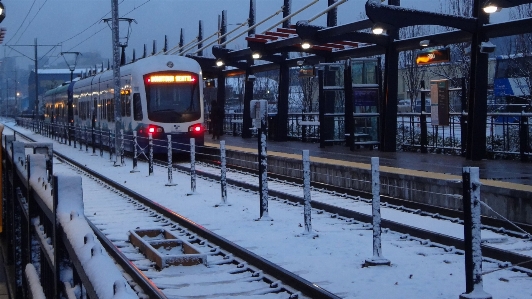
56 71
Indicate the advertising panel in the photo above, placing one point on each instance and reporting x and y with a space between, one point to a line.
439 102
365 96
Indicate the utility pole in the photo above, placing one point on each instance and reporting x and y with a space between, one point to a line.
35 59
116 77
36 109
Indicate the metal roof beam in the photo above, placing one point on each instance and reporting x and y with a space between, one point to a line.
398 17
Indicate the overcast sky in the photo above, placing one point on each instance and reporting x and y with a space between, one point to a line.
77 26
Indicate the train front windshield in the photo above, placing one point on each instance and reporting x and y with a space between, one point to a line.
172 98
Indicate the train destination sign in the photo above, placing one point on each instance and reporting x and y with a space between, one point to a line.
170 79
433 56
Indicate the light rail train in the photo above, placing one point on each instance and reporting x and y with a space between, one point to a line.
161 95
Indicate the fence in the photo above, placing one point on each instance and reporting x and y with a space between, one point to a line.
508 135
47 234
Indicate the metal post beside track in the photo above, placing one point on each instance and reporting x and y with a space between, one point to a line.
122 162
100 143
109 145
472 237
223 172
80 138
93 140
86 136
192 165
170 182
377 258
150 157
262 110
135 145
307 210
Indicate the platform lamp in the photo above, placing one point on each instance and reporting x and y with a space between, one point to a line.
2 11
71 59
492 6
123 36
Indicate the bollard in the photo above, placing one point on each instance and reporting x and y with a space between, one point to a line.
122 162
377 258
170 183
150 157
135 145
472 237
192 166
223 172
307 210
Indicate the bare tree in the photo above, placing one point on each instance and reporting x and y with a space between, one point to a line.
412 73
460 65
521 62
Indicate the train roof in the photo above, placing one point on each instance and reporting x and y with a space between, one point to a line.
155 63
58 89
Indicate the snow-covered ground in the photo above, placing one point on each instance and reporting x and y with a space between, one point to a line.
334 259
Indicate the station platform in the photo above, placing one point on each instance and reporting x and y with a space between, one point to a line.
516 172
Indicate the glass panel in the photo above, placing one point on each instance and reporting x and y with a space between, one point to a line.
137 107
173 102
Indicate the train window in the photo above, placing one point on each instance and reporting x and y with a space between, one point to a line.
173 102
128 106
124 99
137 107
110 110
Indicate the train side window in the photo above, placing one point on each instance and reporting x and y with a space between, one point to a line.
137 107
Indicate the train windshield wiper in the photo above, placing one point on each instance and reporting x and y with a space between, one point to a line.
165 110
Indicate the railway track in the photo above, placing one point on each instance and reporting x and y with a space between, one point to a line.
408 206
232 276
161 219
289 189
227 270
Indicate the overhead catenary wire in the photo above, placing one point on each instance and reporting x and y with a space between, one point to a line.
254 26
219 38
22 23
291 15
172 52
199 42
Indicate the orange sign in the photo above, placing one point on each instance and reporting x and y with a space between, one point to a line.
433 56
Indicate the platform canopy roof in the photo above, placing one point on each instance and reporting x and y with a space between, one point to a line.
352 40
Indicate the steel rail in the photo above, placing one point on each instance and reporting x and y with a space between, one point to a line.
487 251
288 278
488 221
